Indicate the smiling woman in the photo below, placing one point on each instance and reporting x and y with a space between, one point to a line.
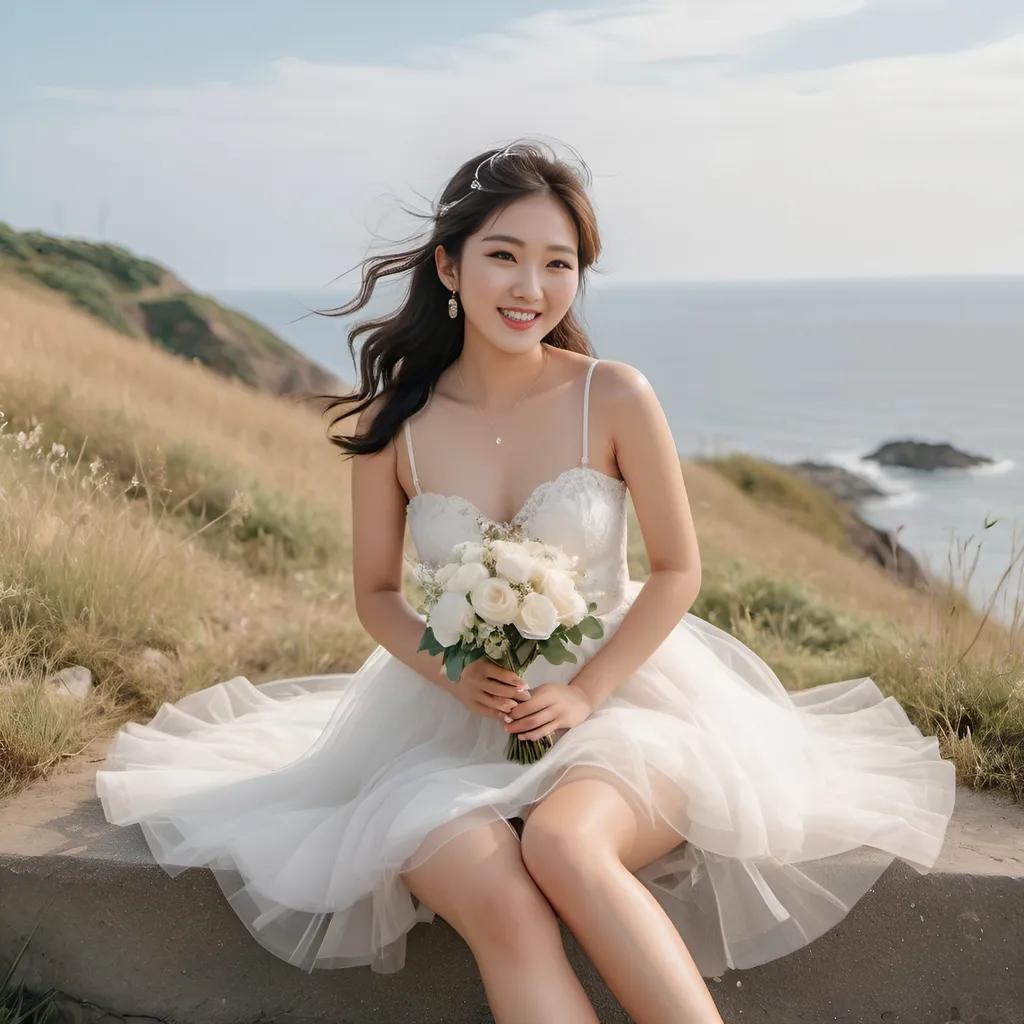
687 814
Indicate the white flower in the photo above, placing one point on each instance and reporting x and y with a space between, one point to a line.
560 589
494 601
466 577
537 618
449 617
468 551
501 548
445 573
516 566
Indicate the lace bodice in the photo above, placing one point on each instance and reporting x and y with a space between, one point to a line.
582 510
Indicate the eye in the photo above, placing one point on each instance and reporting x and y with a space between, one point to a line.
566 266
501 253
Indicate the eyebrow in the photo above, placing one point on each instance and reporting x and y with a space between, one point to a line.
519 241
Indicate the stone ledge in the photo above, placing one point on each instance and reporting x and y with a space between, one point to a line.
115 930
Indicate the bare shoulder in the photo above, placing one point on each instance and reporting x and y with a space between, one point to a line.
622 387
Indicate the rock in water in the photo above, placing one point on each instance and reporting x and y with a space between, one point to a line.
925 455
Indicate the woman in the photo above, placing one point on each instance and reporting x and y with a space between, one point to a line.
690 816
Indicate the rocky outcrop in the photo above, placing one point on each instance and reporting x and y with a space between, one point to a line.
145 300
820 498
846 486
881 546
925 455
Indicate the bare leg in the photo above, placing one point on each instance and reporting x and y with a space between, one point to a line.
582 844
477 882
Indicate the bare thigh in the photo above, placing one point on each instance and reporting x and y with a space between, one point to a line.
478 883
603 813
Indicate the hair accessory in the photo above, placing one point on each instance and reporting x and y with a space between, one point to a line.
475 185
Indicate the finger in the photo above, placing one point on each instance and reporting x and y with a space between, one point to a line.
534 721
532 705
503 707
488 711
499 689
539 734
503 675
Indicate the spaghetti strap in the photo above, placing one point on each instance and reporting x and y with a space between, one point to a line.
412 458
585 461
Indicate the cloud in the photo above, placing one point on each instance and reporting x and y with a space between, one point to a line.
702 170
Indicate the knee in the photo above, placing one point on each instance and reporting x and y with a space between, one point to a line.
558 854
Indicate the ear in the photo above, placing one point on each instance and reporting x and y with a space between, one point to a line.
447 269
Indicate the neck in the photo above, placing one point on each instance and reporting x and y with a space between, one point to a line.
497 379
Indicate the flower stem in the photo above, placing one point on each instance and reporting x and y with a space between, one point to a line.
519 750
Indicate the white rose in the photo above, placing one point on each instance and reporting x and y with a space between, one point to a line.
537 617
468 551
516 567
466 577
560 589
449 617
494 601
500 548
445 573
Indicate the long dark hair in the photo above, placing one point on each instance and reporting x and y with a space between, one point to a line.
408 350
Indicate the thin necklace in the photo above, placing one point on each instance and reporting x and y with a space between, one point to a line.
497 438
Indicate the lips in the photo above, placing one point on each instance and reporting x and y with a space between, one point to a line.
518 319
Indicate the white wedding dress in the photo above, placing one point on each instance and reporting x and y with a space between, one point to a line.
307 797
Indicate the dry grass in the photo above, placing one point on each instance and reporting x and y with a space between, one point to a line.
151 506
196 518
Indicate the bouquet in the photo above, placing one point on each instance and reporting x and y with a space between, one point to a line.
508 599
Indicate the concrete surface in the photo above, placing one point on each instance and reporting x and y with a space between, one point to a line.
115 930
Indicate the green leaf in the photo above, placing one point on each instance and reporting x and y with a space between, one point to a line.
474 655
556 653
574 635
592 607
591 627
454 662
429 642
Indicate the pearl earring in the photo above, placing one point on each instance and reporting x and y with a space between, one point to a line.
453 306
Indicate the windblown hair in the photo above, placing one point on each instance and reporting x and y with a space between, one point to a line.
407 351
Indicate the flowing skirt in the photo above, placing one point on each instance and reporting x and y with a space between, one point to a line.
308 797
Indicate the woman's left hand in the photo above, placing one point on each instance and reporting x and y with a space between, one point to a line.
551 706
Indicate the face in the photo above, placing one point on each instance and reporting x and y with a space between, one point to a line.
518 274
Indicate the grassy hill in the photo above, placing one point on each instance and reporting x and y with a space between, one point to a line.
167 527
144 300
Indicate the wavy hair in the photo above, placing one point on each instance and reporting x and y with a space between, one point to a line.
406 351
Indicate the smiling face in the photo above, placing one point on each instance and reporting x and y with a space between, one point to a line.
518 274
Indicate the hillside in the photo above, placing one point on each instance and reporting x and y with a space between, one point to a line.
144 300
166 528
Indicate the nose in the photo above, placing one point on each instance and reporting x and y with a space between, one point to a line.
527 287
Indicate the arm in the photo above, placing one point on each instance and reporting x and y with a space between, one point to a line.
646 455
378 536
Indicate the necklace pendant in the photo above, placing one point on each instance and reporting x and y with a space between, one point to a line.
497 440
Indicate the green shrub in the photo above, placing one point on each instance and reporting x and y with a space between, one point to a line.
86 287
782 610
801 502
127 271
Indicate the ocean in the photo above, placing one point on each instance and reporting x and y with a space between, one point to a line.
812 370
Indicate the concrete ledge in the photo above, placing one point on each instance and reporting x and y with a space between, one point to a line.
115 930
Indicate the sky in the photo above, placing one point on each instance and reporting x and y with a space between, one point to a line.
266 145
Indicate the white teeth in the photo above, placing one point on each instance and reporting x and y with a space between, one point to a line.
514 315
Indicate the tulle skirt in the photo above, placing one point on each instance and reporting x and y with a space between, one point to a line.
309 797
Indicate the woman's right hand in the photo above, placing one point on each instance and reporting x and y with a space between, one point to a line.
489 690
